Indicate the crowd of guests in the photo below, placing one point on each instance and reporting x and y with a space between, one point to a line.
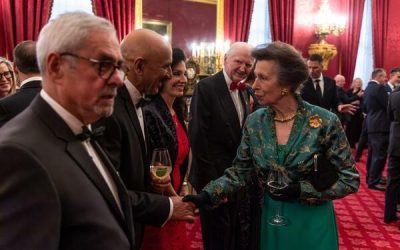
77 137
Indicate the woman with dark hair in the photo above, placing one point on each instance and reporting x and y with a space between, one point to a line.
8 81
294 138
164 119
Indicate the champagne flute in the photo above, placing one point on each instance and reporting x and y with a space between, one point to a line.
161 165
277 180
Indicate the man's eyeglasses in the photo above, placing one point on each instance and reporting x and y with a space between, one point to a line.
105 68
6 74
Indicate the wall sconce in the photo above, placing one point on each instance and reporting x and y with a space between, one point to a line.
326 23
209 56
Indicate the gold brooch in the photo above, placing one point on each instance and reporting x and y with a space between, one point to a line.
315 121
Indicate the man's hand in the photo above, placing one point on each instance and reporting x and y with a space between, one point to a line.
182 210
347 108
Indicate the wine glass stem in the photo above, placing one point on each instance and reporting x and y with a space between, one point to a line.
278 209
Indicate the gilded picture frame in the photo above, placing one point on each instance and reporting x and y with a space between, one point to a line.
163 28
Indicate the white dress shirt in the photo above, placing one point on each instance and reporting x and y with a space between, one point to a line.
76 126
135 97
321 83
235 98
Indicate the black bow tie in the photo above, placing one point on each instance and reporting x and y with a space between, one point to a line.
142 102
90 134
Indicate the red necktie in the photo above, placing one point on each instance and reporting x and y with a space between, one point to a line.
239 86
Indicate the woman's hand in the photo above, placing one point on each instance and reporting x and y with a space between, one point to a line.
184 189
289 193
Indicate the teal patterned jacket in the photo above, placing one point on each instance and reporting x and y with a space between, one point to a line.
315 130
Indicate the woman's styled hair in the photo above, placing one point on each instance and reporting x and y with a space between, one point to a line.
292 68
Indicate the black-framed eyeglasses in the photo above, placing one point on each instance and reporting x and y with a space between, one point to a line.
6 74
106 68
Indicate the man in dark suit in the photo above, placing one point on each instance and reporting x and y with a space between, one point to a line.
393 187
25 66
58 188
319 90
219 108
375 106
147 57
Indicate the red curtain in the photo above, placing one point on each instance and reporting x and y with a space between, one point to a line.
237 18
380 10
351 37
21 20
120 12
282 20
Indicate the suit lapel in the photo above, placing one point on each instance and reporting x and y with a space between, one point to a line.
227 105
131 110
78 153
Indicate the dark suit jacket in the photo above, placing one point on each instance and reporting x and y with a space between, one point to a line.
329 101
394 117
13 105
123 141
162 131
52 195
375 106
214 129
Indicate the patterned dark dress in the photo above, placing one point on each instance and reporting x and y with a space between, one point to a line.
311 219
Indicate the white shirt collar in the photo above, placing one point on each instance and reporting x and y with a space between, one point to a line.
73 123
227 79
30 79
133 92
390 85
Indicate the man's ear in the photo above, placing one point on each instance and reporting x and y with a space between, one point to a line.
54 66
138 65
16 70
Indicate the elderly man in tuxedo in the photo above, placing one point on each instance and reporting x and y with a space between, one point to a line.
147 60
220 105
58 188
25 66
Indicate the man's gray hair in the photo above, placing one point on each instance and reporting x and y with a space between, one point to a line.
68 33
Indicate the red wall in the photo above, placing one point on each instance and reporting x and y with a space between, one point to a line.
392 55
191 21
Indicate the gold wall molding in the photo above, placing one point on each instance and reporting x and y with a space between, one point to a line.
220 21
203 1
138 14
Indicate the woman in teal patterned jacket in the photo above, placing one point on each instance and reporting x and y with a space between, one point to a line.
286 135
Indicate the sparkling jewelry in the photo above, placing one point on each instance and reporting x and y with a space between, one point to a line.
285 119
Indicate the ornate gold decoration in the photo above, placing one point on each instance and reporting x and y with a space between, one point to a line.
315 121
326 23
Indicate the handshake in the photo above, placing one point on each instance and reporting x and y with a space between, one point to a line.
184 207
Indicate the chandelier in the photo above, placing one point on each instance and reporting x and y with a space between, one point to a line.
327 22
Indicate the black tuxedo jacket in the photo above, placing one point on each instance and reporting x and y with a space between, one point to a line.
13 105
375 105
52 194
124 143
214 129
394 116
329 100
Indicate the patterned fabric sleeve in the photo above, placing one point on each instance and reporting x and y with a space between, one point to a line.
235 177
338 152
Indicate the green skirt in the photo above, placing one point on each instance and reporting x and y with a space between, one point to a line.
309 227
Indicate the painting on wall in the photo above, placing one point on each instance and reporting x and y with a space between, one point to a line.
163 28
